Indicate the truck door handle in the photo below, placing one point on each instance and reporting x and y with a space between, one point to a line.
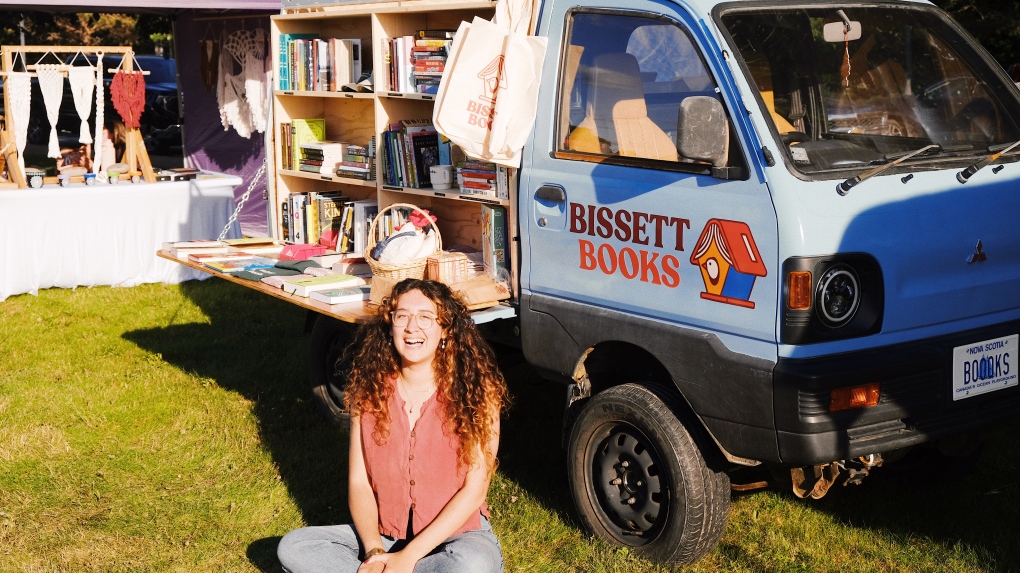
553 193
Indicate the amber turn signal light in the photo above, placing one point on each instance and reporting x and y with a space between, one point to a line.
799 290
855 397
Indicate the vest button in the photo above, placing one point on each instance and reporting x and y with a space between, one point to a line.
412 433
412 482
412 506
411 457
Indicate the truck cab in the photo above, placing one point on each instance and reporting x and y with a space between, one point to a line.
778 233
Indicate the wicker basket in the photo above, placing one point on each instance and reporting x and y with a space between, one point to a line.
410 270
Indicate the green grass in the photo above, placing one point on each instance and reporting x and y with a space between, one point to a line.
169 428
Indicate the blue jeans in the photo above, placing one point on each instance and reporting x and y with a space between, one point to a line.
337 548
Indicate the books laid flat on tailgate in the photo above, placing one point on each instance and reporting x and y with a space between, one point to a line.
304 287
342 295
202 258
181 249
237 265
261 246
352 266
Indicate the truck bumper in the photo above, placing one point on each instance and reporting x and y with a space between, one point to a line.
916 403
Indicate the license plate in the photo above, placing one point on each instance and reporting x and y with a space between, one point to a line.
984 367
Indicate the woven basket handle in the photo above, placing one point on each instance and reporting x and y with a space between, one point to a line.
370 244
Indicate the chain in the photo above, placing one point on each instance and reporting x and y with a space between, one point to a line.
233 216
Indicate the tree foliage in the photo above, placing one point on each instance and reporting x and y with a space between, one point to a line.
994 23
83 29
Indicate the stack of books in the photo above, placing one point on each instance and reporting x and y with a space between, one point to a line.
357 162
417 61
294 134
181 249
321 157
477 178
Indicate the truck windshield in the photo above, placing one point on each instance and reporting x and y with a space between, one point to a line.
847 87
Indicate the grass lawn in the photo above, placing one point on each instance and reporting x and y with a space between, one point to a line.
169 428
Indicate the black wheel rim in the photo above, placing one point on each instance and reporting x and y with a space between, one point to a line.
629 483
336 371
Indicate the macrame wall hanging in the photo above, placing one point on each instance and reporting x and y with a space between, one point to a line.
209 55
241 95
83 81
19 86
51 84
127 91
97 150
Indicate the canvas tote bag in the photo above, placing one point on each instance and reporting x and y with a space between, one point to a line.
488 97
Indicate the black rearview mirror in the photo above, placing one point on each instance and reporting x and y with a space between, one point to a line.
702 130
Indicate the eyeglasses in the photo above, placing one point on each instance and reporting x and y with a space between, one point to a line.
402 318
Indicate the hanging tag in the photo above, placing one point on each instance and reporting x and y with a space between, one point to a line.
845 68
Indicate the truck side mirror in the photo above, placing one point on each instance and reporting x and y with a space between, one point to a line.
702 130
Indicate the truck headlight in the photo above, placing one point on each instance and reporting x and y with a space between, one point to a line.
839 294
831 297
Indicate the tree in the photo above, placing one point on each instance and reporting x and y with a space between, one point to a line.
994 23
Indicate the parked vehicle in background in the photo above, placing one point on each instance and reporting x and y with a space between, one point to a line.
160 123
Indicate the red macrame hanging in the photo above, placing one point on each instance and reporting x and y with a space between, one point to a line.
128 94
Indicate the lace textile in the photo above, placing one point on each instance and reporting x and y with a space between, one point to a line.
51 84
83 81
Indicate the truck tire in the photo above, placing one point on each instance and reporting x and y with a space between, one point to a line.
327 367
639 478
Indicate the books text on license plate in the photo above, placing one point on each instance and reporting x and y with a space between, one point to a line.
986 366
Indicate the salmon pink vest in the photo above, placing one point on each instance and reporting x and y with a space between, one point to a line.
415 469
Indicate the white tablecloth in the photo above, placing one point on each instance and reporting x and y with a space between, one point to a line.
107 234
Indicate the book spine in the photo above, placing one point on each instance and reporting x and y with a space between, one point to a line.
283 62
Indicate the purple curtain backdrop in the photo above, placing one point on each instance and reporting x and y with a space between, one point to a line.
206 144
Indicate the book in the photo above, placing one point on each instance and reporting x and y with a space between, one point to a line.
306 286
305 131
182 249
284 58
202 258
425 150
494 242
342 295
235 265
330 220
252 242
297 211
352 266
277 280
346 61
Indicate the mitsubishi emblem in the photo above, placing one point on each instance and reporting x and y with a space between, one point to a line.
978 255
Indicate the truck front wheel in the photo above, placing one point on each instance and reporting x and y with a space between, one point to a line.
639 479
327 367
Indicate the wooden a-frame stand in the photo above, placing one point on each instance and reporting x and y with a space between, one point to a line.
135 155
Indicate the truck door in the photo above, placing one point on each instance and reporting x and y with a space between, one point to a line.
612 214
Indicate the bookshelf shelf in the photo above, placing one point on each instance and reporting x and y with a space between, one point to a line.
323 94
319 177
408 95
453 194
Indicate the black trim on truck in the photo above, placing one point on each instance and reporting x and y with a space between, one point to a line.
731 393
916 405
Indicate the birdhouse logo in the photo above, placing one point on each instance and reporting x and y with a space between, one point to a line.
493 79
729 262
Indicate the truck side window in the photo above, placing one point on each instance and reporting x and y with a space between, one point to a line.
623 82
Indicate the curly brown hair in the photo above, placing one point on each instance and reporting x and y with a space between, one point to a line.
471 389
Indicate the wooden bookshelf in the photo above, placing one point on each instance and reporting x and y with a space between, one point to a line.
356 117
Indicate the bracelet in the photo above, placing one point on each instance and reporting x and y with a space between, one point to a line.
373 552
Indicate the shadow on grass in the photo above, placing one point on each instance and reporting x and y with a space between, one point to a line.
256 345
965 504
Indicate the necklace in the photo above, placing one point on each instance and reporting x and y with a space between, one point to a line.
408 390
